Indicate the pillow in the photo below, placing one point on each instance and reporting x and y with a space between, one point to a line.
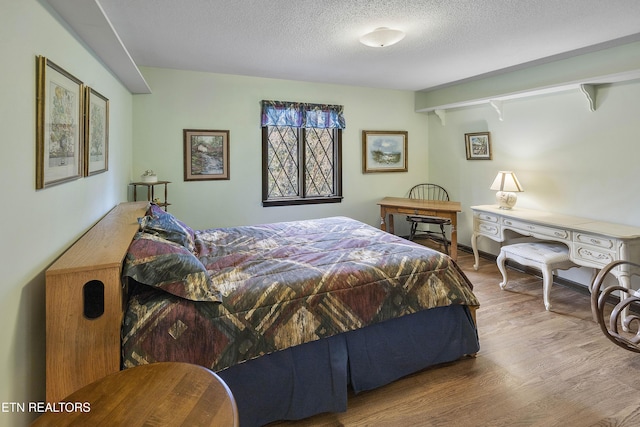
165 225
162 264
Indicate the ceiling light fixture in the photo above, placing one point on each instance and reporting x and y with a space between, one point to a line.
381 37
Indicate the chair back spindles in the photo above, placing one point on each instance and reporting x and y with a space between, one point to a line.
429 192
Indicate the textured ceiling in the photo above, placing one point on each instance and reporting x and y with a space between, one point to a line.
317 40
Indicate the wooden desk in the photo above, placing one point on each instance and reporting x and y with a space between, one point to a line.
404 206
162 394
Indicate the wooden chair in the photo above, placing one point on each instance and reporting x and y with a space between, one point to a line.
429 192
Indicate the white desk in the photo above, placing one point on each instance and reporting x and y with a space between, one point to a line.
591 243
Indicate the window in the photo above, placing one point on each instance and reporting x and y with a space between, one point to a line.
301 153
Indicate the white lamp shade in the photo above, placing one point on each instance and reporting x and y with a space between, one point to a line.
381 37
506 181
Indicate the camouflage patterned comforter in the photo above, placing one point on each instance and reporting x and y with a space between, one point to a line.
285 284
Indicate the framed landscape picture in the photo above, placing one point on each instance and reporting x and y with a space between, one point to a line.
206 154
384 151
96 144
59 125
478 145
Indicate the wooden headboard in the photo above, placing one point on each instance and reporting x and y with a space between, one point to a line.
85 303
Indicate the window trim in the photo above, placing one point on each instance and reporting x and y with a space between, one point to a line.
294 201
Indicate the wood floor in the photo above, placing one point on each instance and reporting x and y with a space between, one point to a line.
534 368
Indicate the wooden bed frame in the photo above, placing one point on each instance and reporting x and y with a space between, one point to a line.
85 301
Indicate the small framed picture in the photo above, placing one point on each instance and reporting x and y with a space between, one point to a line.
478 145
96 143
59 125
206 154
384 151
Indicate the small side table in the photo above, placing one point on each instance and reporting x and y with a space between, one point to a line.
151 191
163 394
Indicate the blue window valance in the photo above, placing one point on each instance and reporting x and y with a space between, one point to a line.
302 115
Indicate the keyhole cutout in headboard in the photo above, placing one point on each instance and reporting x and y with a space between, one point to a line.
93 299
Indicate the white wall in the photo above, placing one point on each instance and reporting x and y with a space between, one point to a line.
37 226
193 100
569 160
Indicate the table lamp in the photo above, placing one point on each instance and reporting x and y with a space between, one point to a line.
506 184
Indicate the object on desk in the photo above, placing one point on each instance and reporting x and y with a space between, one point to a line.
429 192
507 185
149 176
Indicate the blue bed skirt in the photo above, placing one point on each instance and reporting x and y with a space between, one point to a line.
312 378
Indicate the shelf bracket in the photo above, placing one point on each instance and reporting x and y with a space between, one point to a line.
590 92
497 105
442 114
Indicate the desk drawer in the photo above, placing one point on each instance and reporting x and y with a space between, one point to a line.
486 217
424 212
487 228
598 250
593 255
592 240
535 230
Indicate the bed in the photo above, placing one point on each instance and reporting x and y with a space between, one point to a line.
289 314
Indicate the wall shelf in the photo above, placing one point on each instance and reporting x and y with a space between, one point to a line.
585 73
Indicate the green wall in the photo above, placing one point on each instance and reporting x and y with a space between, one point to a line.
568 159
37 226
195 100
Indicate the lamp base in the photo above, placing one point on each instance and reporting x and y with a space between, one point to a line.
506 199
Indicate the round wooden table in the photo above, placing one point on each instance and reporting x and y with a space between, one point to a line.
162 394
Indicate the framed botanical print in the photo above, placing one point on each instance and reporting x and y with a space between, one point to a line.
96 141
206 154
59 125
478 146
384 151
